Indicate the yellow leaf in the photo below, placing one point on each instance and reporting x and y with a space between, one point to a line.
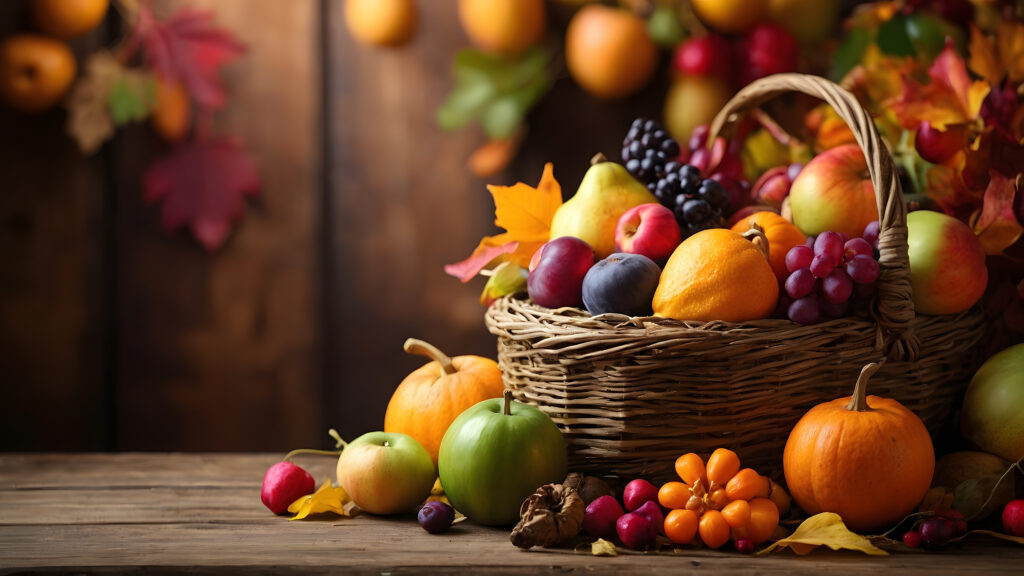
825 529
1010 40
602 547
984 61
525 213
327 498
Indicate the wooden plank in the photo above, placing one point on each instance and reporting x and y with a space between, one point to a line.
219 352
53 277
200 513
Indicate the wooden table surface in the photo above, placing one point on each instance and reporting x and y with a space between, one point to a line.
200 513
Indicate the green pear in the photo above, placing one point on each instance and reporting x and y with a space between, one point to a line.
591 215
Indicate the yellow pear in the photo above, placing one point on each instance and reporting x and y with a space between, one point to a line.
606 192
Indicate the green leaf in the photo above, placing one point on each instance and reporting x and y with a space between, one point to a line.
849 52
131 99
496 90
893 38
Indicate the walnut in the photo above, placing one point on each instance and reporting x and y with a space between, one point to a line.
549 516
590 488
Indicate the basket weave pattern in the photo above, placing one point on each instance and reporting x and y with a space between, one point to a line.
632 394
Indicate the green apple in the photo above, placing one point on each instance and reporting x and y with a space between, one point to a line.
386 472
993 412
947 263
497 453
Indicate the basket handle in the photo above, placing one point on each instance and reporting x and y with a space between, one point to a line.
893 309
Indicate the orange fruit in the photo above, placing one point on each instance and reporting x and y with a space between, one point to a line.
381 22
35 71
782 235
608 52
716 274
681 526
503 26
730 16
68 18
173 111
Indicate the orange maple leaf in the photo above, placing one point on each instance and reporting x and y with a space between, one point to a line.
950 98
525 213
1001 56
995 223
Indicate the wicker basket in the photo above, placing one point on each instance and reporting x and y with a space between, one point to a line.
632 394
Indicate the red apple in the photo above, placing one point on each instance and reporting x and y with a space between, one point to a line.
767 49
709 55
834 192
648 229
947 263
772 187
283 484
1013 518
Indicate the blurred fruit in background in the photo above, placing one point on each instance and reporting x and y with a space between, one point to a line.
503 26
729 16
709 55
809 21
692 101
381 22
68 18
767 49
172 114
35 71
608 52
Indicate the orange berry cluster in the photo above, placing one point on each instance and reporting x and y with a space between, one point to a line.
720 502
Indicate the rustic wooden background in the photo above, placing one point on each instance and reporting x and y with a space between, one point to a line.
115 336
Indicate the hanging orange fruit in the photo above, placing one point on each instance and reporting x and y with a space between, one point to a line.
429 399
68 18
866 458
172 114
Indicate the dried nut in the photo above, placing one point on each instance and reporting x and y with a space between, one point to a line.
589 488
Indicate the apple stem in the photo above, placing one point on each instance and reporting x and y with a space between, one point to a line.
757 237
508 402
422 348
859 400
598 159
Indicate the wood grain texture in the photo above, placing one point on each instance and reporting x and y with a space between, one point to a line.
401 206
200 513
52 219
222 351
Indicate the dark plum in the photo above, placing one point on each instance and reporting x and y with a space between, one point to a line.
436 517
623 283
558 278
637 531
601 515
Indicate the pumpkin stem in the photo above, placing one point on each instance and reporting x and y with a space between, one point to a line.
598 158
757 237
421 348
859 400
508 402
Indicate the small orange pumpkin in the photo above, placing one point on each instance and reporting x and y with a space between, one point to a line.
781 234
429 399
866 458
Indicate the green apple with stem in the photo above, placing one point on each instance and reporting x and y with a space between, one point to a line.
386 472
495 454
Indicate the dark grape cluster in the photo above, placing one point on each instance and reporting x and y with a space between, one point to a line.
646 150
650 155
828 273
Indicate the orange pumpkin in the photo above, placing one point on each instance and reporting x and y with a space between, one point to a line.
781 234
866 458
429 399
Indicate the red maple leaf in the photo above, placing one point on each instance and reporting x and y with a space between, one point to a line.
188 48
203 184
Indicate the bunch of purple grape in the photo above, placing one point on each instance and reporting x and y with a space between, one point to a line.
830 272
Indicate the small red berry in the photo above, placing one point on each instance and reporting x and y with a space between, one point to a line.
744 546
1013 517
912 539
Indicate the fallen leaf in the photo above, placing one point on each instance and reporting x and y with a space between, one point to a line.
203 185
824 529
983 60
602 547
1010 42
327 498
525 213
188 48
